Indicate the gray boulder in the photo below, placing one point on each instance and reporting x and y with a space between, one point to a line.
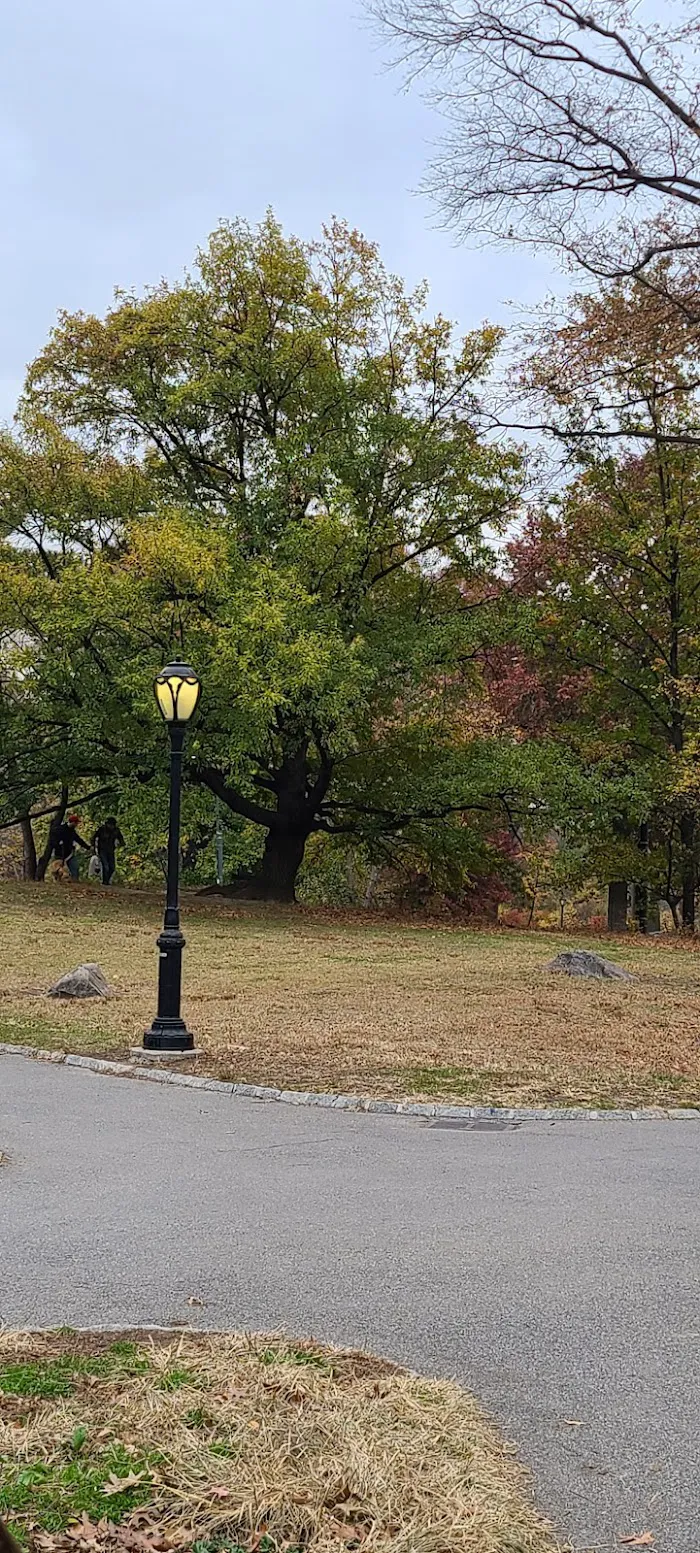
580 962
86 981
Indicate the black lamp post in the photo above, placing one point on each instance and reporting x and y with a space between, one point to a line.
177 691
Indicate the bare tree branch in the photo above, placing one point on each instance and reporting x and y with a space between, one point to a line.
563 121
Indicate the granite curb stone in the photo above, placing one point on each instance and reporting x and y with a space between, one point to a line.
422 1109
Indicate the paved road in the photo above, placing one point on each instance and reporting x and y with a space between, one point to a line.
552 1268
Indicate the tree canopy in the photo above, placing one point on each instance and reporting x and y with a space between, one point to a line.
275 468
281 469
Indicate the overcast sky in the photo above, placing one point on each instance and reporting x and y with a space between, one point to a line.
128 128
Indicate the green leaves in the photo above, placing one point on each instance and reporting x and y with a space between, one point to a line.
273 467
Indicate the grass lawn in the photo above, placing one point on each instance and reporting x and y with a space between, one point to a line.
247 1445
309 1000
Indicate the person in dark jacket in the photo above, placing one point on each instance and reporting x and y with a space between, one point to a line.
66 842
107 838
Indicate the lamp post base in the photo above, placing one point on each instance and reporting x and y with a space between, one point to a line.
168 1035
143 1058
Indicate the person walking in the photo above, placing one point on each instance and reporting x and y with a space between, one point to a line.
66 842
107 838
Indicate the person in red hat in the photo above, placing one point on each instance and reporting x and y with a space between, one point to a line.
66 842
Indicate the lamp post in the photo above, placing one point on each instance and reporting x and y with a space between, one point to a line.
177 690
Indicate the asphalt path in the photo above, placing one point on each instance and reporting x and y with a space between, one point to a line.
550 1267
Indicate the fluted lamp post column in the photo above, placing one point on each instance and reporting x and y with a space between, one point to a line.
177 690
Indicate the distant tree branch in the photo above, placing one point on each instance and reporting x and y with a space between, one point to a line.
390 819
55 808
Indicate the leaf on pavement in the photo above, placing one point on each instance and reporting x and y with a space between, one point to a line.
195 1300
642 1539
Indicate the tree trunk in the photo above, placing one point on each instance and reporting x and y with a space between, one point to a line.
52 838
641 906
275 879
282 859
653 916
689 871
617 906
29 860
646 906
299 791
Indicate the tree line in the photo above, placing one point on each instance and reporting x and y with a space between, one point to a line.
418 634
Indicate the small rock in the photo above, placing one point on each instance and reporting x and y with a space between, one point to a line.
580 962
86 981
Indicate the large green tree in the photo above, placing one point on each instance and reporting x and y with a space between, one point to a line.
308 498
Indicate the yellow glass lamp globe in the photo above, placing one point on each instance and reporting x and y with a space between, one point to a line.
177 690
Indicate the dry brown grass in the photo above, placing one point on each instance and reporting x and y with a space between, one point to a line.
245 1438
307 1000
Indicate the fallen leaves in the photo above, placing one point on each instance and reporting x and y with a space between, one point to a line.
117 1485
135 1535
195 1300
290 1391
642 1539
349 1532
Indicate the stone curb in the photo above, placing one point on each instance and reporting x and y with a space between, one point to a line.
473 1113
